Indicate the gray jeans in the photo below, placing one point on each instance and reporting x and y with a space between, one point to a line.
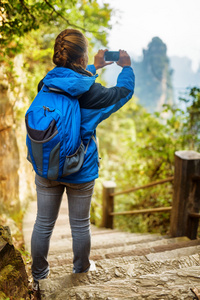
49 196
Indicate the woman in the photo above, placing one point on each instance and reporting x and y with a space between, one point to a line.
97 103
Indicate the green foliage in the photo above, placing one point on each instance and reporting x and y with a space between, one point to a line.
138 148
19 17
185 123
30 27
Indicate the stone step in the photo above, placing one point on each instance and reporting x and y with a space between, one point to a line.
66 268
129 266
132 244
160 249
135 266
173 253
61 240
139 265
170 284
112 240
142 249
61 237
95 230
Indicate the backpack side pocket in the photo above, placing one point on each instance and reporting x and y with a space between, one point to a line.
74 162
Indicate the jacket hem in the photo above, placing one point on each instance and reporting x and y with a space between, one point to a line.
83 180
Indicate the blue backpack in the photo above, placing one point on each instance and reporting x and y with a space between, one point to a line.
53 140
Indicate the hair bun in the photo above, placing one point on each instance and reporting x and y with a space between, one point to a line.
69 46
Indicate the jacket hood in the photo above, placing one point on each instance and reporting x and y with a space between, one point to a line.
69 81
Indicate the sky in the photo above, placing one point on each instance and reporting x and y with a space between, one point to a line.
176 22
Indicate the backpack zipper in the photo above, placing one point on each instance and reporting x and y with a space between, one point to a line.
46 108
74 128
63 127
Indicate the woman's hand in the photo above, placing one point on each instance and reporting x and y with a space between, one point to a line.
99 61
124 59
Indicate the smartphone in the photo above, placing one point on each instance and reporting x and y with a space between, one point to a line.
111 56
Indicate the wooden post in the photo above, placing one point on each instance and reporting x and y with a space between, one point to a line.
108 203
186 193
193 208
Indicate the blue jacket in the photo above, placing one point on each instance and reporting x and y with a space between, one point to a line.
97 103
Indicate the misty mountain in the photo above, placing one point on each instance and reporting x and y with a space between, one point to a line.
154 76
183 76
159 79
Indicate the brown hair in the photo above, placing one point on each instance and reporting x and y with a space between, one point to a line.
70 45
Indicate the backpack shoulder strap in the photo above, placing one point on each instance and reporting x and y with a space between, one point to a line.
58 91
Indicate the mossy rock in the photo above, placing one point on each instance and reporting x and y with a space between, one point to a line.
13 276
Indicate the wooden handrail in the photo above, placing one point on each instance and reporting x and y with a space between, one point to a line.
96 203
183 222
143 186
142 211
194 215
196 178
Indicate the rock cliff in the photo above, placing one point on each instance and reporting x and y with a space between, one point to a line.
9 154
13 277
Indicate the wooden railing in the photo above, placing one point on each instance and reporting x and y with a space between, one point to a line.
186 197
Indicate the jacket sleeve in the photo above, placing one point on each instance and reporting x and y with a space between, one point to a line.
100 102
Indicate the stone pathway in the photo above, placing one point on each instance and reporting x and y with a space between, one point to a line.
129 266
